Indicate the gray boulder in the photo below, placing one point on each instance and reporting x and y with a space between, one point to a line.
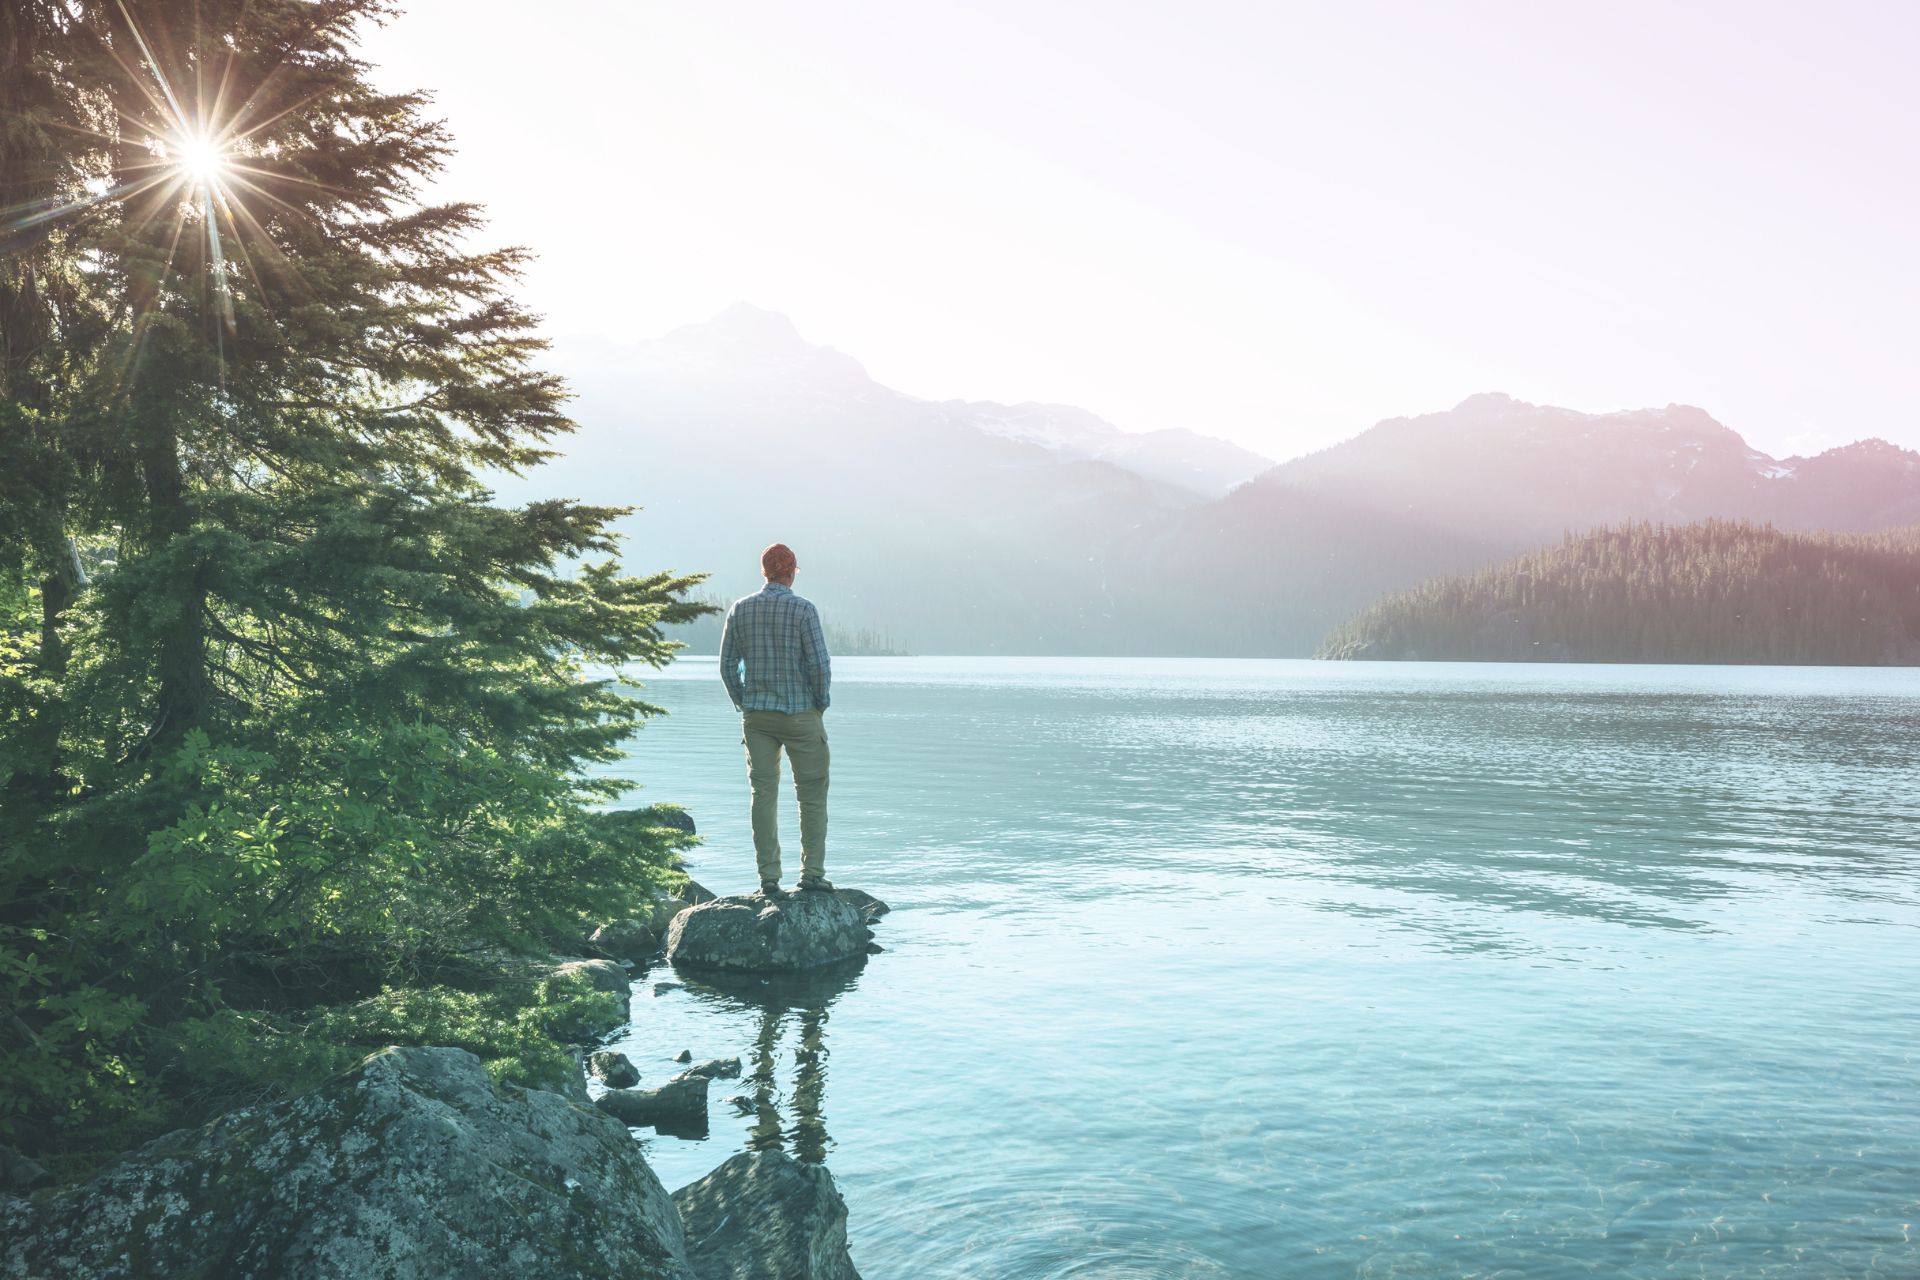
605 975
765 1216
696 893
680 1103
638 939
412 1165
19 1174
799 931
670 815
625 939
613 1068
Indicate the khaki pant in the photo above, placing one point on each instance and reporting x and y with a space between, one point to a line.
804 736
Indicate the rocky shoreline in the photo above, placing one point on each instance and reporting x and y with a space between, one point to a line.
417 1164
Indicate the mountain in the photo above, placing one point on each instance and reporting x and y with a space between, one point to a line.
950 526
1307 544
973 527
1717 591
1185 460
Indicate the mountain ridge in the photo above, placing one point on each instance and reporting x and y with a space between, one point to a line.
963 526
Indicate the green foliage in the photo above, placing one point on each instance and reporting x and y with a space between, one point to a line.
517 1028
1719 591
295 720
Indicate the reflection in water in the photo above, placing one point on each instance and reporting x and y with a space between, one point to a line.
790 1011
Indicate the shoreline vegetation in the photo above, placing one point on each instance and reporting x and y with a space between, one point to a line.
300 816
297 723
1717 592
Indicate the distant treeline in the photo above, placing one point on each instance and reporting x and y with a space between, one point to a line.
1718 591
703 637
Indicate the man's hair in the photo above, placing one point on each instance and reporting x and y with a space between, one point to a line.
777 561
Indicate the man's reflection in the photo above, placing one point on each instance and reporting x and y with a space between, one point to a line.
791 1010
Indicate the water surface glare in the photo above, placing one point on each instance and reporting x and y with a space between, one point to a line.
1285 969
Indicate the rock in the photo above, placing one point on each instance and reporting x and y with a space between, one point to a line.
742 1103
685 1055
626 939
874 948
670 815
681 1103
765 1216
696 893
614 1068
638 940
866 903
661 988
412 1165
605 975
713 1069
801 931
19 1174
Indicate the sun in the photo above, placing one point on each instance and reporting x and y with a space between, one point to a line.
200 159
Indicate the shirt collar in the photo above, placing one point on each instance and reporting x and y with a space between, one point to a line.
778 587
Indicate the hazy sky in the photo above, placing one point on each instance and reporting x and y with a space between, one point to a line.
1273 222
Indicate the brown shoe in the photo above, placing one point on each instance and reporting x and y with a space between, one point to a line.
771 890
816 884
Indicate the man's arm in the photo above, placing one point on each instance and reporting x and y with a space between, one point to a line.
813 651
730 663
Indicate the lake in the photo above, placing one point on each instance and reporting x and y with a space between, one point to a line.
1294 969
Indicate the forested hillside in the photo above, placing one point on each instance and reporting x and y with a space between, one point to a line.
1717 591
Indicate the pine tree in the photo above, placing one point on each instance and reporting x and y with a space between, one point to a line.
322 717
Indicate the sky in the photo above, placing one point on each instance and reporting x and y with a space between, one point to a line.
1273 222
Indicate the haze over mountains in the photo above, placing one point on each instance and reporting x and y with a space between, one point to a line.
974 527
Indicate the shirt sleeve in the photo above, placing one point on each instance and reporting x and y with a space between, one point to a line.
819 666
730 662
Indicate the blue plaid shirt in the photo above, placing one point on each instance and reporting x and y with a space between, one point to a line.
776 636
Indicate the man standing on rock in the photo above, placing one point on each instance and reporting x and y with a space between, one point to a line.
773 660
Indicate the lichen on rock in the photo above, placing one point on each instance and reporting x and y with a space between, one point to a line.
803 930
763 1215
414 1164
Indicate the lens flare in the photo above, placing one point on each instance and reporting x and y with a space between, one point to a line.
200 160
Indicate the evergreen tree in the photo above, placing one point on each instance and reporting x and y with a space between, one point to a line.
293 714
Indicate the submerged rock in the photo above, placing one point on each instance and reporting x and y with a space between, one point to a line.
714 1069
765 1216
685 1055
680 1104
412 1165
800 931
613 1068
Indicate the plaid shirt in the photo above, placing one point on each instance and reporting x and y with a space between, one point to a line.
776 635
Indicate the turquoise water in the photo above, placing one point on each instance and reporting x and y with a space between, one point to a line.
1265 969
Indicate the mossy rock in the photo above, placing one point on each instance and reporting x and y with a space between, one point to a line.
412 1165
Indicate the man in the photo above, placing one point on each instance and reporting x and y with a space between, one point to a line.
773 660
